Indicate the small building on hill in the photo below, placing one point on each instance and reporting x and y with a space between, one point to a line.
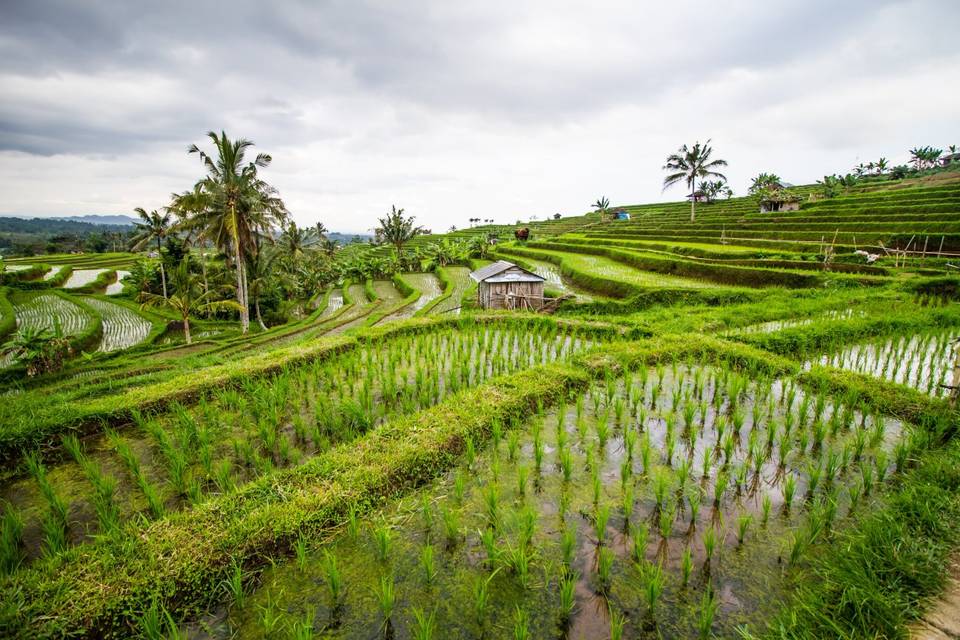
777 200
504 285
697 196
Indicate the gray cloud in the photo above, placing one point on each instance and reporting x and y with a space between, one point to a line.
421 99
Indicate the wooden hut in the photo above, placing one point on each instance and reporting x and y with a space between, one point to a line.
504 285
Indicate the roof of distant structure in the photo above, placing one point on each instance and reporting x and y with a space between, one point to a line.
492 273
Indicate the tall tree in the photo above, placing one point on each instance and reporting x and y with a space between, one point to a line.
240 207
187 299
152 226
690 164
397 229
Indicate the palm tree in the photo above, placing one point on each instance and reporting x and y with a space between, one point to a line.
601 205
239 207
689 164
397 230
187 298
153 226
294 241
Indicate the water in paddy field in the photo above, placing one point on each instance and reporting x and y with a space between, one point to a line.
16 267
923 361
551 273
626 477
427 284
116 287
777 325
81 277
334 302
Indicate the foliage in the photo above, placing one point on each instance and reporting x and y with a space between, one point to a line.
39 350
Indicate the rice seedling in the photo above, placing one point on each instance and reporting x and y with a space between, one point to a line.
271 619
481 598
789 489
653 588
566 463
491 505
568 585
303 628
428 564
617 623
601 516
604 569
11 540
597 485
425 625
300 548
720 487
686 566
518 559
798 546
426 513
334 577
513 445
459 486
353 523
522 474
538 453
743 523
765 505
640 536
521 624
709 544
568 541
233 586
708 611
382 542
489 541
665 519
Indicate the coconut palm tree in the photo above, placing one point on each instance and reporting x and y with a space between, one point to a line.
602 205
187 298
690 164
882 166
239 207
152 226
397 230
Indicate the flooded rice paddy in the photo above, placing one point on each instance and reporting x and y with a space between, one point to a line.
672 503
168 461
923 361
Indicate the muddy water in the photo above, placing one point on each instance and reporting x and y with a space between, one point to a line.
923 361
750 579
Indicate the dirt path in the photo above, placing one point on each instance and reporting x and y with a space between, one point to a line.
943 620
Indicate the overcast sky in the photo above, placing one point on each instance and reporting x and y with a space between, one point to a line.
455 110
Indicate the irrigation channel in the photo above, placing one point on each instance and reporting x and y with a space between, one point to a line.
169 461
671 503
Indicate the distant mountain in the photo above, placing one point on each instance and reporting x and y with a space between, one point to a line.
347 238
99 219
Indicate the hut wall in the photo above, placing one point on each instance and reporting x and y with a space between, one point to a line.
493 295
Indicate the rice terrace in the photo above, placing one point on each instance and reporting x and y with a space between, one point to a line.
725 407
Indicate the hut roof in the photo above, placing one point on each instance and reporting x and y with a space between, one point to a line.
496 273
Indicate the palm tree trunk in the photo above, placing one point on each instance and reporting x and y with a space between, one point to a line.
256 305
241 282
693 200
186 328
163 272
